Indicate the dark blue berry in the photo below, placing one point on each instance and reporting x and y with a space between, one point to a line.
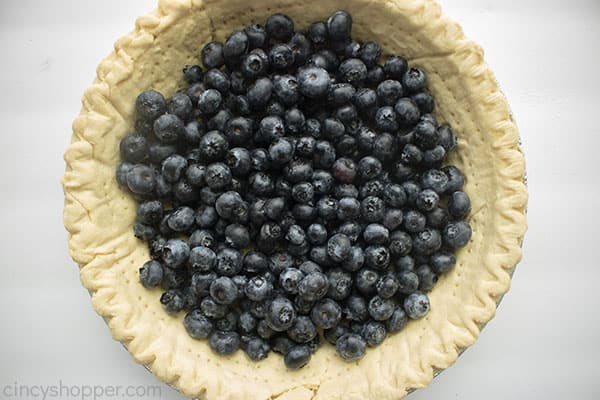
150 104
351 347
212 55
374 333
224 343
416 305
326 314
457 234
151 274
197 325
172 301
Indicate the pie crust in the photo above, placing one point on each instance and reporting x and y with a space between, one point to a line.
99 215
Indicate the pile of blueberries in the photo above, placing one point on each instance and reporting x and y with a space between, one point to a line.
294 192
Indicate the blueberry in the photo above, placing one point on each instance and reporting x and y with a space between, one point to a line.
303 330
172 301
202 259
388 92
295 235
457 234
180 105
217 176
229 262
213 146
372 209
339 26
316 234
193 74
405 263
426 135
416 305
184 192
427 242
197 325
366 281
414 80
281 56
212 309
255 262
407 110
456 179
353 71
348 209
313 82
442 261
326 314
297 357
257 36
144 232
313 286
257 349
344 170
282 344
281 151
295 121
261 184
140 179
386 119
356 259
175 253
122 170
247 322
395 67
365 99
281 314
239 131
400 243
369 53
375 76
374 333
157 152
237 236
223 290
376 234
212 55
339 247
133 148
414 221
151 274
289 280
258 288
427 278
392 219
351 347
459 205
209 101
340 284
224 343
259 93
271 128
377 257
280 27
181 219
279 262
150 104
235 47
427 200
384 147
150 212
394 195
274 207
387 286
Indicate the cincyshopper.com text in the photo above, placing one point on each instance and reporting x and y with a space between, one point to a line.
62 391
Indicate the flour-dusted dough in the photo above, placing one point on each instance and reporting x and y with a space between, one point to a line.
99 216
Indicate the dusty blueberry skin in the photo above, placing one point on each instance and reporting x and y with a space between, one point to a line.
296 186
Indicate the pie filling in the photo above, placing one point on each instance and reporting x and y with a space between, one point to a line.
295 191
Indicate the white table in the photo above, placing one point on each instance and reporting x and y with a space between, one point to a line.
544 343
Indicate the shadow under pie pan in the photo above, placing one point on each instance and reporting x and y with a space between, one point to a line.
99 215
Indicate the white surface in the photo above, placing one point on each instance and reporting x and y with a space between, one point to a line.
544 342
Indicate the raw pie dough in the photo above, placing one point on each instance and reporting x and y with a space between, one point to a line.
99 216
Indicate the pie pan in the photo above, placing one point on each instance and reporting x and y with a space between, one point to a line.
99 215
